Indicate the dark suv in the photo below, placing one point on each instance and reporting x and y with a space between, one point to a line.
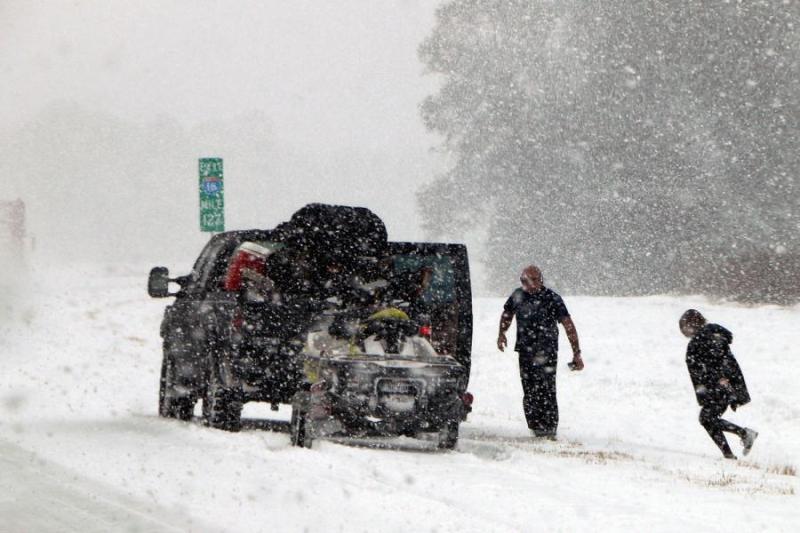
237 327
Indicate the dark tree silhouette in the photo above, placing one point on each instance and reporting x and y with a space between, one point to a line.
626 147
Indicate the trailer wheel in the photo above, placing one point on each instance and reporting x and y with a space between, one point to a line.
300 429
448 435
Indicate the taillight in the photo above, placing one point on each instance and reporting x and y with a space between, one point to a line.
467 398
425 331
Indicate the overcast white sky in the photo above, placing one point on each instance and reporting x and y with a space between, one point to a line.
325 72
327 78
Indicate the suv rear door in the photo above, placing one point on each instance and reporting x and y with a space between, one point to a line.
448 296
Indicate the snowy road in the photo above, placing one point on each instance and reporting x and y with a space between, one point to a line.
40 496
78 387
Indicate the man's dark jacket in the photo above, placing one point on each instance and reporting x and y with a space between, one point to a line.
709 359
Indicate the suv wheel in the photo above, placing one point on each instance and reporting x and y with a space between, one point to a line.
170 403
222 405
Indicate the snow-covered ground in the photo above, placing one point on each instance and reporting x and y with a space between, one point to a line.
81 447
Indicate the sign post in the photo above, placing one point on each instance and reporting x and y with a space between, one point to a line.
212 195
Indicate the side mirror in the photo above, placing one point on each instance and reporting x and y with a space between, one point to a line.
158 282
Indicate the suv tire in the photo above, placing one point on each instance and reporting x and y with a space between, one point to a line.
170 403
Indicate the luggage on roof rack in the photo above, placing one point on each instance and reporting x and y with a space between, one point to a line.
340 232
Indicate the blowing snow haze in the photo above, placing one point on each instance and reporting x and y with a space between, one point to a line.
627 148
107 106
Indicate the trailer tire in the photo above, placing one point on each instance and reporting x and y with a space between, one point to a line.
300 429
448 435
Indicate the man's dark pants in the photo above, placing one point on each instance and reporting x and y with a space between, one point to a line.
537 370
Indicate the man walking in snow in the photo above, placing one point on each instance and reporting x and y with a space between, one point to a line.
538 311
717 379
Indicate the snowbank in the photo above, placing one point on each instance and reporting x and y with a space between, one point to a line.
78 393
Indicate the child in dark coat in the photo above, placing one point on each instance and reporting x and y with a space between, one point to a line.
717 379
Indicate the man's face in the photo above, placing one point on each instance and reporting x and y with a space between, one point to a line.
531 281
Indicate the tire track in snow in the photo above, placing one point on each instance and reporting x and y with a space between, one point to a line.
735 478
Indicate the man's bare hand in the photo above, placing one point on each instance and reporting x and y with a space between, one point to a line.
502 342
725 382
577 362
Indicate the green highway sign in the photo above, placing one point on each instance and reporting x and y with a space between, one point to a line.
212 195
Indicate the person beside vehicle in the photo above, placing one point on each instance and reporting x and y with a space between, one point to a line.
538 310
406 289
717 379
